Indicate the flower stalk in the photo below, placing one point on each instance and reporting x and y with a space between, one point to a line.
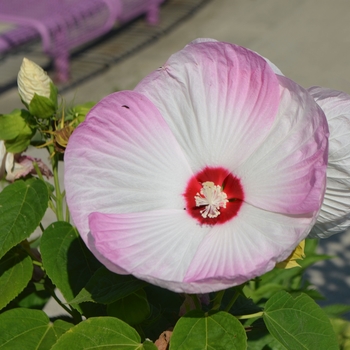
246 317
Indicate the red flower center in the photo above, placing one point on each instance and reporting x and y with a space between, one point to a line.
213 196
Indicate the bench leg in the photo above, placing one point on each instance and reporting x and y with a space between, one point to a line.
61 65
152 14
60 55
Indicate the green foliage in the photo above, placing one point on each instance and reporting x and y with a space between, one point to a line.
342 330
42 107
16 270
260 339
242 305
79 112
34 296
102 333
133 309
164 310
106 287
336 310
298 322
53 93
17 129
267 342
22 206
218 330
29 329
67 261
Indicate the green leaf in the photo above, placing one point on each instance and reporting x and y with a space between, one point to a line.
66 259
165 306
336 310
297 322
267 342
53 93
61 327
20 143
101 333
41 106
22 206
54 332
265 291
34 296
16 270
17 129
148 345
342 330
29 329
13 124
259 338
214 330
132 309
106 287
79 112
242 305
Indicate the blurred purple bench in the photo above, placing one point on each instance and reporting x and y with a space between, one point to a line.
65 24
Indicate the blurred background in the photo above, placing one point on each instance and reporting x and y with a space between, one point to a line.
307 39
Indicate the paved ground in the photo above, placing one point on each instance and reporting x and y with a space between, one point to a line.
307 39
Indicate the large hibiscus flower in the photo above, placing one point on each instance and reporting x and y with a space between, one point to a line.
206 175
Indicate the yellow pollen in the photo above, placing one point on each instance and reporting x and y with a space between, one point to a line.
212 197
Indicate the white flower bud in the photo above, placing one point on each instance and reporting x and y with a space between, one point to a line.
32 79
2 158
7 161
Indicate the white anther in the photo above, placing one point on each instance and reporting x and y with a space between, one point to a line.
212 197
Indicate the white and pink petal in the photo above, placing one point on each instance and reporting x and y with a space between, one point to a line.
287 173
245 247
334 216
219 100
123 159
157 246
169 249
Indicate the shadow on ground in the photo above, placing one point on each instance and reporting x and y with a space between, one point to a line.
332 277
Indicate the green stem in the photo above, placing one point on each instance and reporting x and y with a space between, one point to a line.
232 301
74 313
245 317
52 207
70 311
41 227
67 213
59 198
76 316
38 171
37 263
256 283
25 245
218 299
197 304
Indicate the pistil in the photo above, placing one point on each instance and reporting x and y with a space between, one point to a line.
212 198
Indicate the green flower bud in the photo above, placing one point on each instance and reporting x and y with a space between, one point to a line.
78 113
